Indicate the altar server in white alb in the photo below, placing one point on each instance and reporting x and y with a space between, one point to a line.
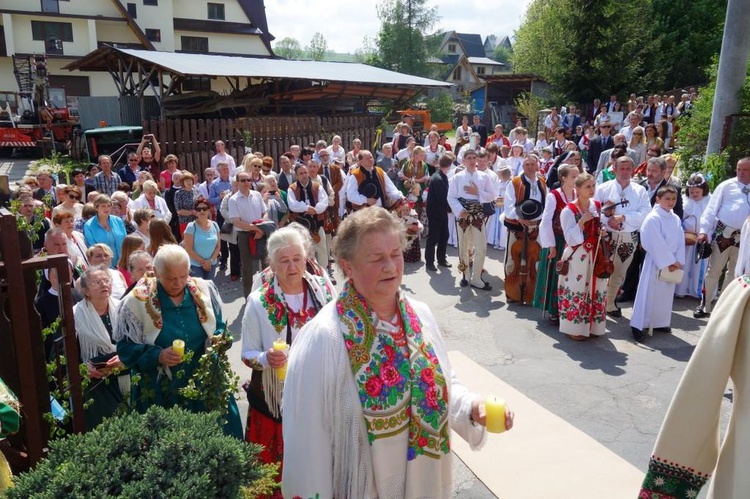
664 242
722 221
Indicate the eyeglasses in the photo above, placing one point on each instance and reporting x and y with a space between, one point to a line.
133 160
243 180
605 126
74 197
202 208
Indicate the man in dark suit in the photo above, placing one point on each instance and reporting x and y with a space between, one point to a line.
46 188
594 112
603 142
611 103
286 177
571 121
437 216
480 128
655 172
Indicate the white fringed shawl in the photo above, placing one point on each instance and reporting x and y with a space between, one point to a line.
326 448
93 337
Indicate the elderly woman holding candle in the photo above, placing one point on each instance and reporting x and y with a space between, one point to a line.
370 397
161 309
286 300
94 319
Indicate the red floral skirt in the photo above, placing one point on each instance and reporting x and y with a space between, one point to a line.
266 432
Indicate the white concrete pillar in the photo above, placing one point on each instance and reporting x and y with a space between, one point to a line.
10 46
735 49
93 41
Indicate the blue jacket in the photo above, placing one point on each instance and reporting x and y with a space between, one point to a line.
94 233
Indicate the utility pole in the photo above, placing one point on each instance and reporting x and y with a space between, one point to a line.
735 49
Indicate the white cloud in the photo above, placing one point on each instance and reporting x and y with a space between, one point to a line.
344 23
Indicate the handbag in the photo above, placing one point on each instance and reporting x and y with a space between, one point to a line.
672 277
227 228
691 236
562 267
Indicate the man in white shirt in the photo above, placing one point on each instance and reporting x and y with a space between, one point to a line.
528 185
221 156
722 220
246 208
634 120
365 173
473 187
622 223
308 200
209 174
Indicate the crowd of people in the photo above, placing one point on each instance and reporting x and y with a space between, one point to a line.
587 220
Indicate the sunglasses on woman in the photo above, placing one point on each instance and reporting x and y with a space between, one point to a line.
202 208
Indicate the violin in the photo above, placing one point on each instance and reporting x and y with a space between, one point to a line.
519 284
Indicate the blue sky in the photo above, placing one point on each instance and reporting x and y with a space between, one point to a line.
344 23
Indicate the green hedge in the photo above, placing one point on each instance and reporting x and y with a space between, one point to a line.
160 454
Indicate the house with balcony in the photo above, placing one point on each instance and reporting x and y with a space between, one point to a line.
66 30
462 61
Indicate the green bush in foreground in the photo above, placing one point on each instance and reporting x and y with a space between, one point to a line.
164 453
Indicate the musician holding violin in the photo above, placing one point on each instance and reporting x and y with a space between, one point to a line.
582 293
528 191
467 191
552 240
623 223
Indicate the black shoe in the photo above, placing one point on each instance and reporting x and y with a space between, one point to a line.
554 320
464 283
445 264
617 313
485 286
625 298
638 335
431 267
663 329
700 313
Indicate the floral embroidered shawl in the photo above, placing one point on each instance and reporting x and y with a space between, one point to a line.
398 393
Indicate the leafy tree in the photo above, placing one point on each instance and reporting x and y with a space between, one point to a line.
692 137
591 48
691 32
502 54
288 48
440 106
318 47
401 44
368 52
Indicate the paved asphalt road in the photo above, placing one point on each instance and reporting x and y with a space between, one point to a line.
611 388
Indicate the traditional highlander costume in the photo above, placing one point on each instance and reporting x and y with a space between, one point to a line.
148 321
550 236
581 295
688 452
271 316
368 406
625 240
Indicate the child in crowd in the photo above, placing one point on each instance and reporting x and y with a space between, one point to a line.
546 161
541 142
664 242
515 161
693 205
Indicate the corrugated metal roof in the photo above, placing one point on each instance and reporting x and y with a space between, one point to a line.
484 60
251 67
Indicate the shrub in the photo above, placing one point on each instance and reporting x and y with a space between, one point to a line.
162 453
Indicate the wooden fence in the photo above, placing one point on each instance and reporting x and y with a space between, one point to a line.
192 140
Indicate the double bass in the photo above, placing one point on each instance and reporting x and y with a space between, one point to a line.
519 284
